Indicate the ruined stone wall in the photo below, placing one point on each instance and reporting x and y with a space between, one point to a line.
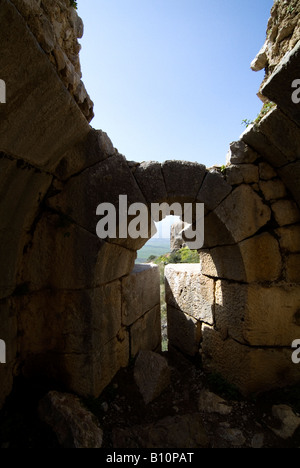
71 306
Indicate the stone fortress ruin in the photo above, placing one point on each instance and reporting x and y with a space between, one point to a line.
72 306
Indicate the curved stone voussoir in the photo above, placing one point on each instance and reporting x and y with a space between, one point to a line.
214 189
150 179
183 180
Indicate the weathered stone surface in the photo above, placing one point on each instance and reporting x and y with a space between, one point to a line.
215 232
291 177
189 291
273 189
65 256
289 238
289 421
184 332
211 403
22 189
250 369
49 117
152 375
145 333
261 59
140 292
170 433
176 240
286 212
233 436
293 268
242 173
96 147
74 425
102 183
183 179
278 87
257 315
214 189
240 153
243 213
150 179
261 257
223 262
266 172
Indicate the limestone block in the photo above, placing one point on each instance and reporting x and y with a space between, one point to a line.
273 189
240 153
145 333
266 172
261 257
289 238
152 375
290 175
94 148
243 213
183 179
101 183
48 115
184 332
263 146
250 369
140 292
293 268
223 262
215 232
189 291
278 87
150 179
242 173
21 190
214 189
286 212
257 315
65 256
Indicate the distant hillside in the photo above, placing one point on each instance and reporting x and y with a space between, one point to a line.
156 247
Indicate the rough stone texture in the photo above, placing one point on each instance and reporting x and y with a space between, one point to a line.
170 433
242 173
176 239
258 315
65 256
240 153
291 177
152 375
140 292
150 179
50 120
266 172
184 332
145 333
214 189
273 189
250 369
211 403
74 426
289 238
215 232
293 268
243 213
286 212
190 292
223 262
183 179
289 421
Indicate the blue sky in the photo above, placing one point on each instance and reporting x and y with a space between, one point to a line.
171 79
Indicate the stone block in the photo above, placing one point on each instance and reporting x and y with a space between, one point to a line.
213 191
252 370
152 375
22 188
290 175
150 179
242 173
286 212
240 153
140 292
188 290
257 315
145 333
263 146
266 172
37 101
289 238
184 332
65 256
273 189
261 257
223 262
293 268
183 180
243 213
102 183
215 232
